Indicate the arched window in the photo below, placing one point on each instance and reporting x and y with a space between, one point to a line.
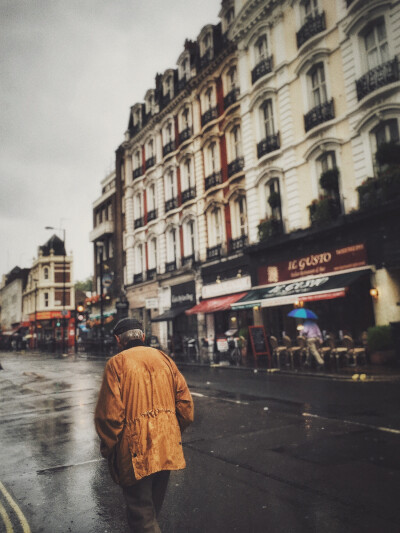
317 85
172 245
189 239
152 252
239 217
376 44
261 49
46 273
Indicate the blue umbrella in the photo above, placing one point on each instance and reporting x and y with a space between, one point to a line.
303 313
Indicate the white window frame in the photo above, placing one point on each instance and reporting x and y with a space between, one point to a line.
216 231
212 158
168 133
151 198
139 264
172 245
267 121
238 208
150 148
236 147
189 238
261 49
138 205
170 185
152 251
381 47
270 185
309 9
317 85
185 118
187 174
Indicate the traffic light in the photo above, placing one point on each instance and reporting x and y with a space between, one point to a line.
80 312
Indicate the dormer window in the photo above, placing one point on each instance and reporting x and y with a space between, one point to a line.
169 87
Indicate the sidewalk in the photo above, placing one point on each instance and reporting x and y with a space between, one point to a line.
358 373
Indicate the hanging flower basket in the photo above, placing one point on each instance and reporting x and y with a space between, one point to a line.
274 200
329 180
269 228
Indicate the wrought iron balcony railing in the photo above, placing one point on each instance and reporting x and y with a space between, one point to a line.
269 144
138 223
138 278
151 273
231 97
235 166
319 114
170 266
261 69
151 215
168 148
150 162
214 179
187 259
214 252
188 194
172 203
311 27
209 115
238 244
137 172
377 77
185 134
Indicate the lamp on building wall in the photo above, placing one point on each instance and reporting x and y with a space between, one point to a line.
100 246
374 293
64 292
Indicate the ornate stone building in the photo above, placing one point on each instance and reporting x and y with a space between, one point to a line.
272 143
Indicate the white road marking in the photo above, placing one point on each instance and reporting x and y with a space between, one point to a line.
16 509
369 426
199 395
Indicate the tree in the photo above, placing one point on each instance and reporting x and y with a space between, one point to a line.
85 286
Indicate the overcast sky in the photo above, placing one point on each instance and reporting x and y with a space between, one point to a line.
69 71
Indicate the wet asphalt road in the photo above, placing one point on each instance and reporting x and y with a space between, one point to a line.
267 453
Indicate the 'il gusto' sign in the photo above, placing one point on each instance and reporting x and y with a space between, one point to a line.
310 265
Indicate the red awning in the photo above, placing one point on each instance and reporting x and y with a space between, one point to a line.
215 304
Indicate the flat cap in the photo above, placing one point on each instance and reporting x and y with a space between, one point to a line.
126 324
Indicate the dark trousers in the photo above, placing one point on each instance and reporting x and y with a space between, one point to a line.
144 500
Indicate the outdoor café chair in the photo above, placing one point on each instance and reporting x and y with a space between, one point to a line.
325 351
337 352
277 350
303 352
290 349
353 351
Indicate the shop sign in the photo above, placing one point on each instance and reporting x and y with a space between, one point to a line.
353 256
151 303
183 294
229 286
48 315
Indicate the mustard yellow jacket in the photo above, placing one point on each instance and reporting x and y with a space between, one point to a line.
143 406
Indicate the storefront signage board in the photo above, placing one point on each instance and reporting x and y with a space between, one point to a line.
354 256
183 294
151 303
228 286
259 343
48 315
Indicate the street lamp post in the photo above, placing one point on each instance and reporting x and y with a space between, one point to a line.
99 246
64 292
35 343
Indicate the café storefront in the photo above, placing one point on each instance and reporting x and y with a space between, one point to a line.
335 283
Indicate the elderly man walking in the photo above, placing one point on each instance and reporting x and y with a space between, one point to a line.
143 406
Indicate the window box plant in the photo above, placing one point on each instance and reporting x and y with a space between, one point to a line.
269 228
324 210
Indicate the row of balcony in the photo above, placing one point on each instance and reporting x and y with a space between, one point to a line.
213 252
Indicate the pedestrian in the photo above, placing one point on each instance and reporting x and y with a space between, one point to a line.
144 405
313 335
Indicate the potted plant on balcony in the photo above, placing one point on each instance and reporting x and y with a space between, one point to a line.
380 345
274 200
329 180
323 210
268 228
